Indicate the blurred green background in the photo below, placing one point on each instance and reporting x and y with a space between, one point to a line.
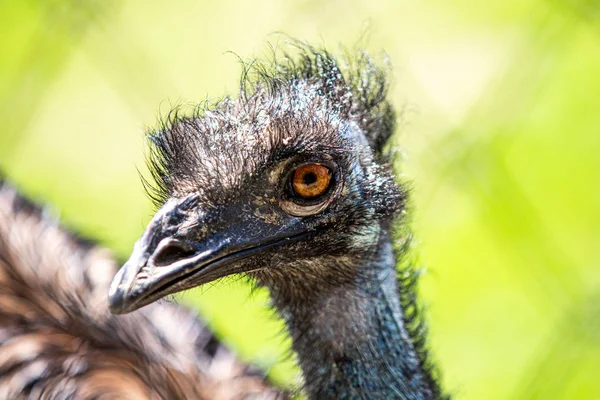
500 134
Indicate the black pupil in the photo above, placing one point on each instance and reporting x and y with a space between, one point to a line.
309 178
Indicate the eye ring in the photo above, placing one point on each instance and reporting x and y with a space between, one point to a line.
311 181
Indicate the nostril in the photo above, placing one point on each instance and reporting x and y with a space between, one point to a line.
171 251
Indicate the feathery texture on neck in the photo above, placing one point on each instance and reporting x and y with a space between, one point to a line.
349 332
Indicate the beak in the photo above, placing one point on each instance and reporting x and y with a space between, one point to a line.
183 248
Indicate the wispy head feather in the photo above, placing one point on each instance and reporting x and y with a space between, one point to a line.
310 83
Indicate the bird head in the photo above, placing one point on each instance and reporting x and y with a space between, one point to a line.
288 173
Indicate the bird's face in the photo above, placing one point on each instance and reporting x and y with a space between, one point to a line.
266 184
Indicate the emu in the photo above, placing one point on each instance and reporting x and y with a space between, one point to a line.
290 186
287 185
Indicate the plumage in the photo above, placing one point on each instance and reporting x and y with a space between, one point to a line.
59 341
226 206
226 187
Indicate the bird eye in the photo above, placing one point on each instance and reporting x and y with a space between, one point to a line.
310 188
311 181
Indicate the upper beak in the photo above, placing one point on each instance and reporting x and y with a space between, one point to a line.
172 255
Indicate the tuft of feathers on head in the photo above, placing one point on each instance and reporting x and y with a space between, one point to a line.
298 87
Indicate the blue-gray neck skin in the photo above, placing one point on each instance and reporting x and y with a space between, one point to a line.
348 331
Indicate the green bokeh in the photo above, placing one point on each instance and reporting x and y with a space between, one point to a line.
500 131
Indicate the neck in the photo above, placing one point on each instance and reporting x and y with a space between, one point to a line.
348 332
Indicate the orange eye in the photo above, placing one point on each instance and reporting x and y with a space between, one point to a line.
311 180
